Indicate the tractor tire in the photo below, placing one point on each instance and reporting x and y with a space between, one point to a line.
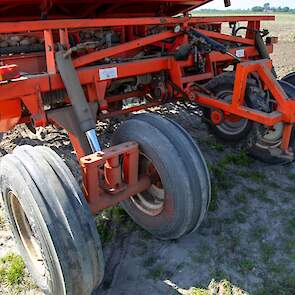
288 88
228 132
53 227
175 206
192 156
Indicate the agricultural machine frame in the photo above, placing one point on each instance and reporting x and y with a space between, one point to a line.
94 78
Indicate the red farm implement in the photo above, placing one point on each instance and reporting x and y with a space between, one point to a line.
71 63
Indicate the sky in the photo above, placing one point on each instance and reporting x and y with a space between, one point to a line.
219 4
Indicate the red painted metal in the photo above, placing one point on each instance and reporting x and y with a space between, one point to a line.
216 117
31 97
102 173
10 114
115 50
9 72
53 9
41 25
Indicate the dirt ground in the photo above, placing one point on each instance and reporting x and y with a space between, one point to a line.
247 236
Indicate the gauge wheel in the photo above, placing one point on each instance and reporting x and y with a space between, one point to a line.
177 200
266 147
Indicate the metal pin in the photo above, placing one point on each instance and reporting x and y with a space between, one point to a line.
233 56
93 140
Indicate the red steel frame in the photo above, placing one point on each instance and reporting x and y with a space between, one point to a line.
62 9
14 95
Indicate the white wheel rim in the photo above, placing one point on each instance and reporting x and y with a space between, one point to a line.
150 202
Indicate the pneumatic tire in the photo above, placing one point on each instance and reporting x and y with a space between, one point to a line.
186 192
267 152
51 222
195 163
290 78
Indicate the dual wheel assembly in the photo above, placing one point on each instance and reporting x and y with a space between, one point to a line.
50 218
260 142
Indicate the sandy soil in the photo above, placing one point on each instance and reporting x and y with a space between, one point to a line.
283 56
247 237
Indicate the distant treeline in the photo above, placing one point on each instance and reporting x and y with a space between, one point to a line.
272 9
265 8
254 9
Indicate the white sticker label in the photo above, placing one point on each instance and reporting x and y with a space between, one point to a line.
109 73
240 53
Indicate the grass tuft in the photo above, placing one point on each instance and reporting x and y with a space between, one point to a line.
246 265
12 270
214 145
238 159
110 221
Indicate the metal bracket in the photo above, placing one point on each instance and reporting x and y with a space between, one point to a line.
78 99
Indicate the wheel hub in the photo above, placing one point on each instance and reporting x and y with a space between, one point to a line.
151 201
27 236
231 125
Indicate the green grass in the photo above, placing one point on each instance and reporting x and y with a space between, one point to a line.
292 257
289 228
221 181
289 189
214 197
277 269
255 176
261 292
198 291
12 270
283 286
289 245
262 195
272 184
257 232
240 199
291 176
267 251
111 221
246 265
250 190
239 159
219 274
214 145
159 273
201 255
105 231
240 217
